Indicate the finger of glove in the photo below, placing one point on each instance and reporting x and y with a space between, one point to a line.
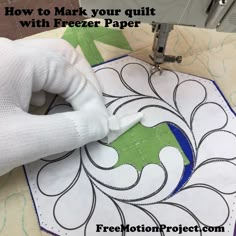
38 99
83 65
72 55
56 75
53 74
91 127
88 100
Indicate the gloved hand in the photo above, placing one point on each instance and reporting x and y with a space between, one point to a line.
33 66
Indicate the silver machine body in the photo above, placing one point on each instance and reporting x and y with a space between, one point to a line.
210 14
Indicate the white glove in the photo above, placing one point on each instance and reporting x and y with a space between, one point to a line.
53 66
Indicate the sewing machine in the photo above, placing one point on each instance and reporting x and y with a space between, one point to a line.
210 14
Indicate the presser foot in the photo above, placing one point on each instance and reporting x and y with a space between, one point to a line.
161 33
167 59
156 69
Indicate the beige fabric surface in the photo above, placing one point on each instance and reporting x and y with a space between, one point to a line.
205 53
